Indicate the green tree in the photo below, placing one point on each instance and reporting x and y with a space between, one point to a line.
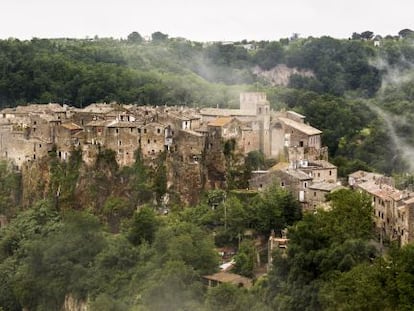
10 189
143 226
139 181
321 246
135 37
367 35
160 177
63 179
358 289
175 286
53 265
245 259
274 209
225 297
272 55
188 243
159 36
114 210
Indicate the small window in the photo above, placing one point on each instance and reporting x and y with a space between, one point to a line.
145 131
155 141
119 142
319 174
282 184
330 173
139 130
40 145
158 131
116 130
314 193
305 184
149 141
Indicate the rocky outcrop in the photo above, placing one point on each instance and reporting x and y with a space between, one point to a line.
280 75
74 304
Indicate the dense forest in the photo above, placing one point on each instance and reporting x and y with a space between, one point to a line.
107 242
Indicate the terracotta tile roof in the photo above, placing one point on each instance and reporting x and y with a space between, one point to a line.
194 133
219 122
279 166
409 200
71 126
100 123
325 186
301 127
227 277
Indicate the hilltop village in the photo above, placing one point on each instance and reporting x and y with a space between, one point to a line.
196 144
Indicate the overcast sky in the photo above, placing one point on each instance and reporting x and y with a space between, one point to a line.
203 20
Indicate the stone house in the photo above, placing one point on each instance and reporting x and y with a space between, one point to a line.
65 139
182 120
393 208
296 181
309 182
319 170
153 139
360 176
227 277
123 137
317 192
290 131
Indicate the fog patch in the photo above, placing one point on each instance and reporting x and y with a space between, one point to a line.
406 150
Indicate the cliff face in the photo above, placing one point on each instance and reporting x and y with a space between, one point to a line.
73 304
35 181
280 75
186 179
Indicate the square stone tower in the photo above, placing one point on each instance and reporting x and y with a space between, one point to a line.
257 103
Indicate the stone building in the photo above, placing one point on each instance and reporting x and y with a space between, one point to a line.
309 182
295 140
293 180
319 170
254 113
195 141
185 163
393 208
317 192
